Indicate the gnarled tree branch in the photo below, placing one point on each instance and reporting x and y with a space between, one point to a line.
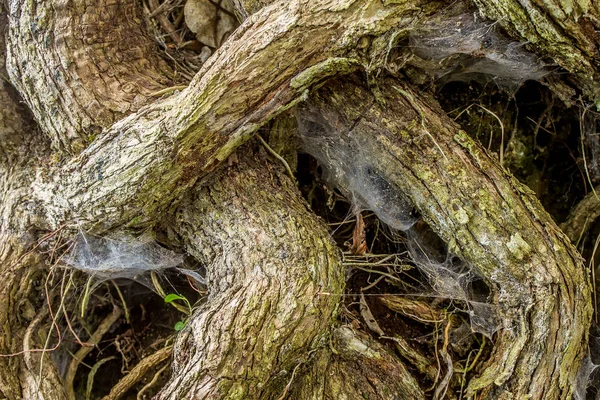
486 217
274 277
144 162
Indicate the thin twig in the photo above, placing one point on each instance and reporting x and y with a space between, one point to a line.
84 351
125 309
86 295
277 156
587 172
372 285
440 391
92 374
138 373
63 295
164 22
592 267
161 292
289 384
374 271
168 90
152 382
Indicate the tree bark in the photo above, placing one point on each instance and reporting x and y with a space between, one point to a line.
275 281
137 167
582 216
82 67
565 31
268 328
269 260
27 371
486 217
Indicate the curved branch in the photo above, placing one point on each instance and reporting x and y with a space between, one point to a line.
270 262
146 161
582 216
22 149
487 217
358 367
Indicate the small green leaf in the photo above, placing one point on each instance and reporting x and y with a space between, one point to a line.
172 297
179 326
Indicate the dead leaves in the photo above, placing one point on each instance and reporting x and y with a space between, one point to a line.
359 237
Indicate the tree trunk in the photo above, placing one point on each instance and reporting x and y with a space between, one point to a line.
94 153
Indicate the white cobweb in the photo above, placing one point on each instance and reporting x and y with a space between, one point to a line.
464 45
452 278
124 257
347 166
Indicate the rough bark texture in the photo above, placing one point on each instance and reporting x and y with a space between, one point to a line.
266 311
565 31
23 312
355 367
486 217
23 322
269 259
81 67
272 302
142 163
